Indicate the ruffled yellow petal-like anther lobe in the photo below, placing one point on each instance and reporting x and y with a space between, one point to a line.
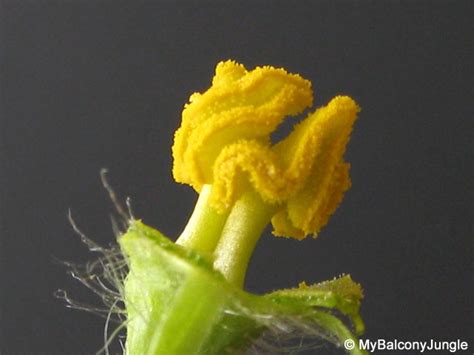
239 105
310 208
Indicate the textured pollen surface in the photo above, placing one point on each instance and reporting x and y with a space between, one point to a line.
224 140
315 152
239 105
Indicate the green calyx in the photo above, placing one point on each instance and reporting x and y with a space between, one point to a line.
178 303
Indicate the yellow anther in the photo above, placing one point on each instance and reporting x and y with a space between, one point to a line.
314 152
224 141
239 105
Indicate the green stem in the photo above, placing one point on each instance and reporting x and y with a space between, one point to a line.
243 228
204 227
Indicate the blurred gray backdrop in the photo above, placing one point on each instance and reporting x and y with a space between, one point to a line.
92 84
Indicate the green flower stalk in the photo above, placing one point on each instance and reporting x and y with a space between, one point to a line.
187 297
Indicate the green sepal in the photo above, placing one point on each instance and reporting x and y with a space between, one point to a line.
168 309
176 303
342 294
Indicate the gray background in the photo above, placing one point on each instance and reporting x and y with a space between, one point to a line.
91 84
